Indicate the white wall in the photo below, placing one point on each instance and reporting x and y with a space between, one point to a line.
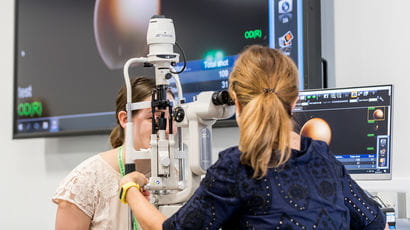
365 42
30 169
372 47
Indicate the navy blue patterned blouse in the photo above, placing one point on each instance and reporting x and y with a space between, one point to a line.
312 191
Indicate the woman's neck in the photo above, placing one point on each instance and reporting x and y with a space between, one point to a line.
294 141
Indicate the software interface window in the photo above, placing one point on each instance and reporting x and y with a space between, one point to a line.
355 122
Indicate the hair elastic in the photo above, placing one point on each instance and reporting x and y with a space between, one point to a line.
269 90
288 107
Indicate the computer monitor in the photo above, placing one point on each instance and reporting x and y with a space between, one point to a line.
355 122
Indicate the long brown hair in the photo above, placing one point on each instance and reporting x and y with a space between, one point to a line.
265 83
141 89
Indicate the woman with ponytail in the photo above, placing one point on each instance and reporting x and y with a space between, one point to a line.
274 179
88 197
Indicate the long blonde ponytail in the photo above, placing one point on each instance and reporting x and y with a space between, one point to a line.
264 82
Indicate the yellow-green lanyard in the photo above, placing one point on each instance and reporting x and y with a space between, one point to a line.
121 166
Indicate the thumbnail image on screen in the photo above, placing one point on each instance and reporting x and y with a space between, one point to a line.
354 122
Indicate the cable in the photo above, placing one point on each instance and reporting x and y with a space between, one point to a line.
183 56
380 200
377 198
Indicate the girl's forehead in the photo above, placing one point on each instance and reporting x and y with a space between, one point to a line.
146 111
149 111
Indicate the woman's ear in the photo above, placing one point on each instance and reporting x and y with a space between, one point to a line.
122 118
294 103
238 107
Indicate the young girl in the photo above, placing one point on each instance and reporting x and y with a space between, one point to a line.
88 197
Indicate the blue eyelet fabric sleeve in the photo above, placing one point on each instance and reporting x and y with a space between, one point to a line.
214 201
365 213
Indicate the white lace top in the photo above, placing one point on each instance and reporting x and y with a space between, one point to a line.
93 186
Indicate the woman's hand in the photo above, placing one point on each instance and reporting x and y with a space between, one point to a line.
146 194
135 177
147 214
387 226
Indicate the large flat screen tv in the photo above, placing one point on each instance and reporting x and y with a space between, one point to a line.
69 54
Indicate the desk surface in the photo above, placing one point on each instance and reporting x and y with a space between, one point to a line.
402 224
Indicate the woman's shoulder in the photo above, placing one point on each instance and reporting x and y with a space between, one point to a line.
318 154
228 159
316 147
231 150
229 164
231 154
307 142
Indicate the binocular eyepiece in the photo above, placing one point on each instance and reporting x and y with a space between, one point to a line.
222 98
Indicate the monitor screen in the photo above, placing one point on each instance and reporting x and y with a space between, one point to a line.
69 54
356 124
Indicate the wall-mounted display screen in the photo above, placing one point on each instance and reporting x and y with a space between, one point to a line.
69 54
